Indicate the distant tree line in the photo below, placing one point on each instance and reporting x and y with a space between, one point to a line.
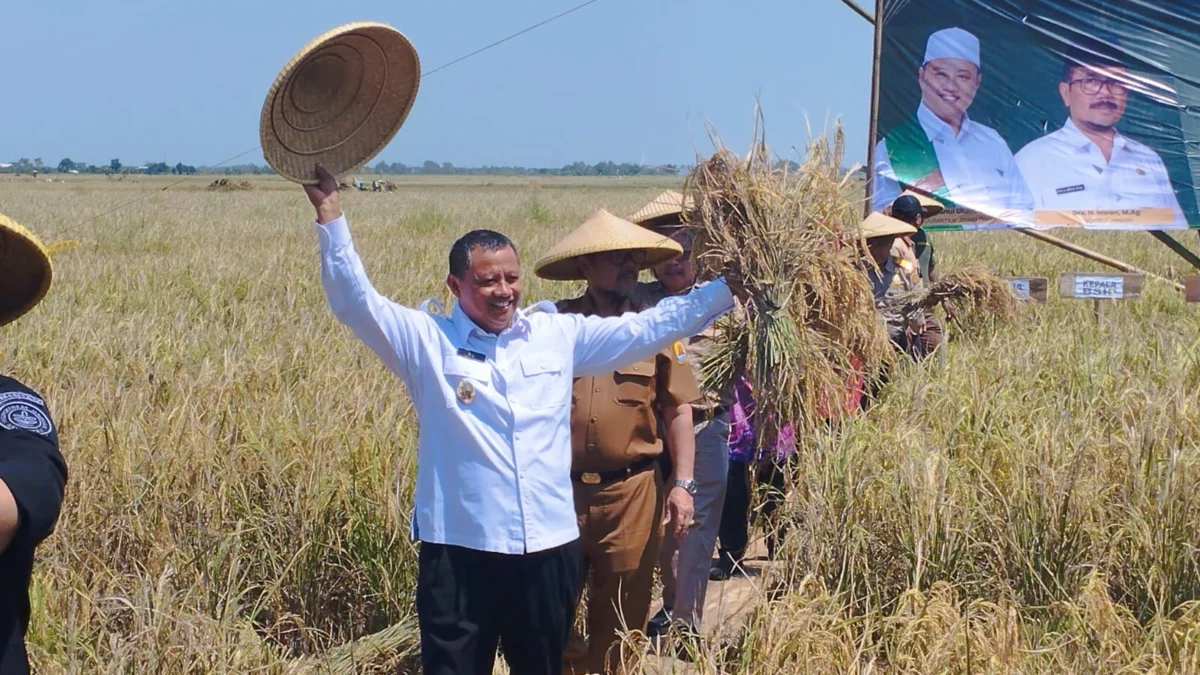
429 167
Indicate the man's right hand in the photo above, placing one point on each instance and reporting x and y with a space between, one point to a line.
324 197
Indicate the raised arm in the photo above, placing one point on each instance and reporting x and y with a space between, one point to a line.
602 344
391 330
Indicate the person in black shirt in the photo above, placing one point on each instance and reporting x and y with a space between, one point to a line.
913 209
33 474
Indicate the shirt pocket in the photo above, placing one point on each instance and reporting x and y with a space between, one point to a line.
545 384
635 383
465 380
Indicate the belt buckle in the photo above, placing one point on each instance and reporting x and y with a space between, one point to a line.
589 478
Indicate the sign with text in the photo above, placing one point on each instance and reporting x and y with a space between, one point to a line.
1026 288
1041 113
1090 286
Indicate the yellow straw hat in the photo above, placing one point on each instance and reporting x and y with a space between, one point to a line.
25 270
664 211
600 233
339 101
879 225
929 205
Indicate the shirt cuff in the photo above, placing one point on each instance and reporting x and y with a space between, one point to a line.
335 234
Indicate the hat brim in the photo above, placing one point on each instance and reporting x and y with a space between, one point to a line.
339 101
25 270
565 267
930 207
879 225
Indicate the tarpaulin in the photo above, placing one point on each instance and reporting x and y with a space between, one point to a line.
1042 113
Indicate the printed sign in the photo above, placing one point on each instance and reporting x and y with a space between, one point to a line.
1099 287
1041 113
1091 286
1034 289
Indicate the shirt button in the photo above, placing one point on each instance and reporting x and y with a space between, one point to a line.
593 418
591 446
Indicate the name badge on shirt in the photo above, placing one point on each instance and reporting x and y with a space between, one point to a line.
474 356
1069 189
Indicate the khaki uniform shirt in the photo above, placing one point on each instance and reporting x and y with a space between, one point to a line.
615 417
698 348
899 276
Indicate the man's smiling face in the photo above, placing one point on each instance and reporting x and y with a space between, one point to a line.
948 86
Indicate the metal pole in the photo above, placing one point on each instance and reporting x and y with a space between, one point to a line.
857 8
874 126
1176 246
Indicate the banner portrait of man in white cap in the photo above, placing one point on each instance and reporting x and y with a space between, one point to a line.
940 150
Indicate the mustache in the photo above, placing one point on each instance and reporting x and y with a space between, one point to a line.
1104 104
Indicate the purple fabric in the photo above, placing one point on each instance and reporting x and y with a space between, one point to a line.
743 442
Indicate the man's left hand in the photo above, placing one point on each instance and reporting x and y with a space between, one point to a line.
679 511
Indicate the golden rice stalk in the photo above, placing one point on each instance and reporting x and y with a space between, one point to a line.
787 237
978 298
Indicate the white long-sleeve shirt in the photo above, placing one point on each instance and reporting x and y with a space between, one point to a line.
1066 171
977 168
493 472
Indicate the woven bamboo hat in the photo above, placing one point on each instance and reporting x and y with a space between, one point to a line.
664 212
929 205
600 233
25 270
339 101
879 225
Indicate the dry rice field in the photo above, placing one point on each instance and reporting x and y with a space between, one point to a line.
241 467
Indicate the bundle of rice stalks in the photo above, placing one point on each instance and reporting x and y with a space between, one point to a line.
786 237
978 298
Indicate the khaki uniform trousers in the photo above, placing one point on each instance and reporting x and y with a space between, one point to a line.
619 527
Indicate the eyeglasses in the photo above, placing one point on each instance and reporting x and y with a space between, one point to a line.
1092 86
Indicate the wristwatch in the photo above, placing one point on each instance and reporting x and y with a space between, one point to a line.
689 485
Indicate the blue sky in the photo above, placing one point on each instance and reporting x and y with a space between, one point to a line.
621 80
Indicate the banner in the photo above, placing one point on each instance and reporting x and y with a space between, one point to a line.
1041 113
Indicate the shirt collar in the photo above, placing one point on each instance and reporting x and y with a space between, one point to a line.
1076 138
935 127
468 329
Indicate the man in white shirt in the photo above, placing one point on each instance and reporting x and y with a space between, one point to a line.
943 152
491 384
1089 165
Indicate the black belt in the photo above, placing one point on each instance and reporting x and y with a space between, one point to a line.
707 414
596 478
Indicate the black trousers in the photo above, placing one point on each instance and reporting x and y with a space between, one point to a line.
470 601
742 479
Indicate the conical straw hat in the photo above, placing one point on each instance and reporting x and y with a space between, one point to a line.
664 211
600 233
339 101
25 270
929 205
879 225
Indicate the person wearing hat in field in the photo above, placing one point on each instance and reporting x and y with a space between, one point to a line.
33 473
684 562
914 208
618 423
893 272
942 151
500 550
1088 164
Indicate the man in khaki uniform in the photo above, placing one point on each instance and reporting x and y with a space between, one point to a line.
895 272
615 425
684 563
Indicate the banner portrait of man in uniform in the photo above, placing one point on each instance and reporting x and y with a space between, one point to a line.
1040 113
